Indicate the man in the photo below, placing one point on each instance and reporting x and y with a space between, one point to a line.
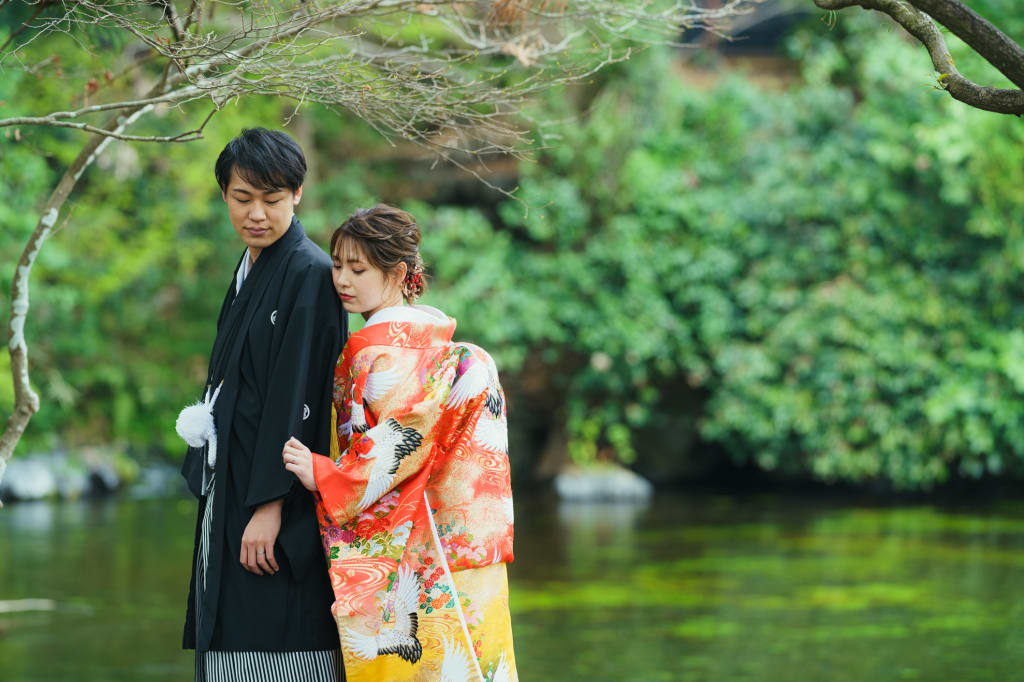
259 599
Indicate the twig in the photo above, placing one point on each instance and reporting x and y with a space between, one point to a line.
10 39
181 137
923 27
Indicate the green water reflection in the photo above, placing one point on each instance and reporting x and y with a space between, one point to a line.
689 588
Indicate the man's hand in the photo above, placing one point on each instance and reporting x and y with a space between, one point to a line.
299 460
259 537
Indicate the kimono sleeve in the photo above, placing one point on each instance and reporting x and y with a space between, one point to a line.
384 450
299 387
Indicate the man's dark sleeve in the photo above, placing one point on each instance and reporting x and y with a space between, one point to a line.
299 388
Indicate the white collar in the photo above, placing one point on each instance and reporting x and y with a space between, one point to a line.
243 270
422 314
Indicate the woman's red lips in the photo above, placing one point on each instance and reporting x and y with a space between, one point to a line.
346 297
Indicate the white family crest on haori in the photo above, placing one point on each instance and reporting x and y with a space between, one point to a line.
376 387
401 638
196 427
491 430
392 442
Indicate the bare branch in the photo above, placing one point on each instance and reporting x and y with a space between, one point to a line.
923 27
987 40
195 15
15 34
47 121
171 15
178 96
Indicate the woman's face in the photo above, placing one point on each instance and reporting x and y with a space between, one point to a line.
363 288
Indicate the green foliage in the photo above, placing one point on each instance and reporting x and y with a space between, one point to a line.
838 277
822 281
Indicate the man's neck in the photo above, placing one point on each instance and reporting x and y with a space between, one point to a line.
254 253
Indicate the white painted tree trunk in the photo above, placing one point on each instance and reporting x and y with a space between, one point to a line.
26 401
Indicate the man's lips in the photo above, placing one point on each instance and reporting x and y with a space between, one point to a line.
257 231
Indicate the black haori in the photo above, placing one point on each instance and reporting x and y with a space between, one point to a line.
277 342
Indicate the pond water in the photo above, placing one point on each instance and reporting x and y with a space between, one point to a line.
691 587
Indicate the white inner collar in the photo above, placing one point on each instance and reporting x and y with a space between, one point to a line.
422 314
243 270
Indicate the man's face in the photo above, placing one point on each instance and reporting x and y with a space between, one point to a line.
260 217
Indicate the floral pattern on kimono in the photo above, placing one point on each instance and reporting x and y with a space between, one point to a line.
415 505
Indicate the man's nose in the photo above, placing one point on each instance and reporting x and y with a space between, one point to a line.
256 211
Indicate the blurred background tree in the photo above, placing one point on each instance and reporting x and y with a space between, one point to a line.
771 253
439 74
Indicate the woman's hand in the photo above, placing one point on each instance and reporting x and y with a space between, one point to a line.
299 460
259 537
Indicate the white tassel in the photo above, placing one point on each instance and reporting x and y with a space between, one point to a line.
195 425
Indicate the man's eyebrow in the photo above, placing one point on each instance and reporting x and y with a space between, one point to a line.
263 193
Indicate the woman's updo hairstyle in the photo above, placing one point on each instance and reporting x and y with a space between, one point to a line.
386 236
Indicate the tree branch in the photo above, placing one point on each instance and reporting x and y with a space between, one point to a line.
10 39
171 15
188 136
178 96
987 40
923 27
26 400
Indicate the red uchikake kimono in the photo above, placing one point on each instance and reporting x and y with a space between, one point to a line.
416 511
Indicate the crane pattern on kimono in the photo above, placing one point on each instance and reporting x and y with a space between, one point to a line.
400 639
376 387
390 444
457 666
491 430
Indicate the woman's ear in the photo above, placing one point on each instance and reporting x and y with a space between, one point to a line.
401 270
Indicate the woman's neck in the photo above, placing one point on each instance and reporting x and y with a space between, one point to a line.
370 313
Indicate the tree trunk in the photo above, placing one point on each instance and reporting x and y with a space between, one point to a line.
26 401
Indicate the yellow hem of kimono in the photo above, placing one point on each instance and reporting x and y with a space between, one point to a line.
483 593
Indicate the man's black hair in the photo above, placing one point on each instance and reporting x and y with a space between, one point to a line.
266 159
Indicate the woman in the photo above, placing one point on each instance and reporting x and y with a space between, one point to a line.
416 510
